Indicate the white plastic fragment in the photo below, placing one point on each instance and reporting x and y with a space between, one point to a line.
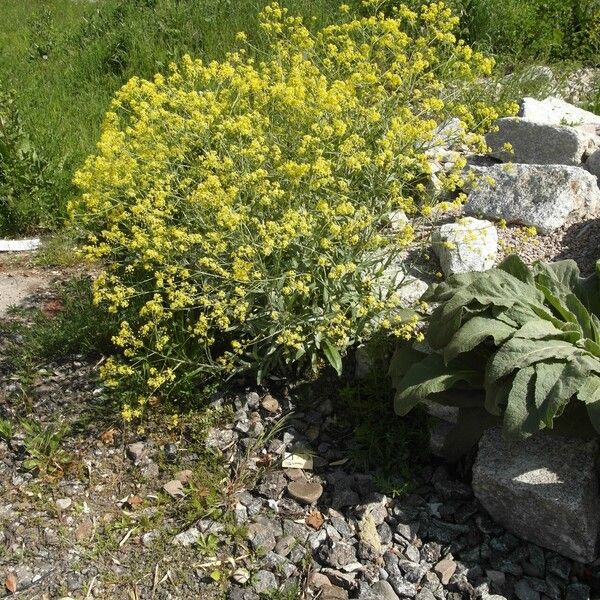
297 460
19 245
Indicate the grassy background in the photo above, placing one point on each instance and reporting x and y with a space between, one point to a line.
66 58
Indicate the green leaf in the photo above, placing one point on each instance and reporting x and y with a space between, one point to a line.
567 385
558 305
543 313
446 319
591 346
429 377
517 268
537 329
588 293
548 373
496 396
581 314
560 277
589 393
403 358
474 332
442 292
517 417
596 326
557 384
518 314
332 355
518 353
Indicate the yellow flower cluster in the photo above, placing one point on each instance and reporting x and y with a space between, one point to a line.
239 207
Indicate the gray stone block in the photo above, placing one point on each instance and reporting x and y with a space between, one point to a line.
543 196
555 111
593 163
467 245
543 489
538 143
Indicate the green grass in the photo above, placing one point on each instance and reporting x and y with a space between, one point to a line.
70 325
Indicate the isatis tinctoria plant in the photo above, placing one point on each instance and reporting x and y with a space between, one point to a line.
529 337
240 207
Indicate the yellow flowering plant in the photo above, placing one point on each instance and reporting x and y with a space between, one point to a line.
241 208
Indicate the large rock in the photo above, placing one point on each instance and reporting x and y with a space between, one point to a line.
448 134
555 111
398 277
543 196
539 143
543 489
467 245
593 164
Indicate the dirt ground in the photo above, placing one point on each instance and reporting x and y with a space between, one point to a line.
19 280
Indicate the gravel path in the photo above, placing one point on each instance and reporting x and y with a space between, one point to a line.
254 498
577 240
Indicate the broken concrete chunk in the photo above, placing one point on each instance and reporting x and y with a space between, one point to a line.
19 245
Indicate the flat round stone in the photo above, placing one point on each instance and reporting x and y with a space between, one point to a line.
305 492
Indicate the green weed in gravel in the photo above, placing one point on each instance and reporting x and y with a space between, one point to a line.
43 444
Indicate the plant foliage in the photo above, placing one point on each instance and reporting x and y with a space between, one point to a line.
24 176
240 206
529 336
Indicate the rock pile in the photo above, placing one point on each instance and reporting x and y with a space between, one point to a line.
542 172
546 175
544 179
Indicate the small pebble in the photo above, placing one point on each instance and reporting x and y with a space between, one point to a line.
270 404
305 492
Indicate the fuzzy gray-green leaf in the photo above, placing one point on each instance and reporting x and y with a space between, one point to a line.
475 331
518 353
333 356
517 268
428 377
517 417
589 393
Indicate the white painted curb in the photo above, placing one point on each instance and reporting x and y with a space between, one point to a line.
19 245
